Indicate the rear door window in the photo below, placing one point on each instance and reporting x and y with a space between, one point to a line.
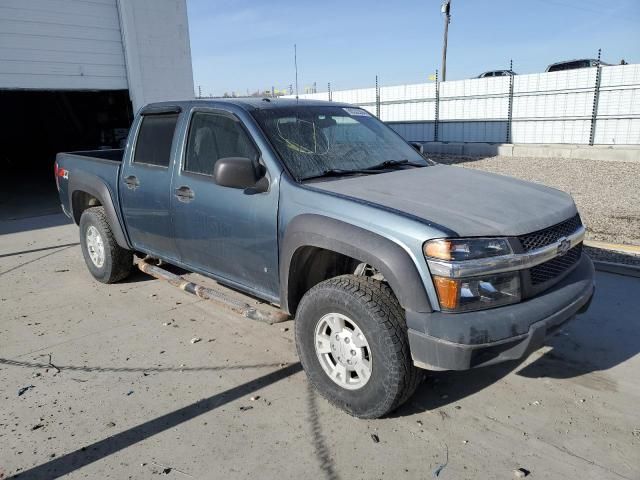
153 146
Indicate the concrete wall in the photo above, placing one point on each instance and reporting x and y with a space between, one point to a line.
609 153
61 44
157 50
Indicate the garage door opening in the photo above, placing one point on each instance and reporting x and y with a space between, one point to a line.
36 125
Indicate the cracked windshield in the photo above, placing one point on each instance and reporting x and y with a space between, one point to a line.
314 140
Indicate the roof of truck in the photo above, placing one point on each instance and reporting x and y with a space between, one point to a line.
249 103
267 103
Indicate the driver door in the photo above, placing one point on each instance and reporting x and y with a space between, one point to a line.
227 232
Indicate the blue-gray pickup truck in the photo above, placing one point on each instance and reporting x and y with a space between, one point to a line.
389 263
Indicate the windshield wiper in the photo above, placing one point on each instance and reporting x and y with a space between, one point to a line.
378 168
337 172
394 163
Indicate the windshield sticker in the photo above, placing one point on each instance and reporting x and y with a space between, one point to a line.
356 112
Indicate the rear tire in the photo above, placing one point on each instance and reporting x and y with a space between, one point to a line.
368 309
107 261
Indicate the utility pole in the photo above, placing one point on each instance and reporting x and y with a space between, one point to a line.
446 10
295 63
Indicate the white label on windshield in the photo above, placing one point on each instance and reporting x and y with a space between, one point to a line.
356 112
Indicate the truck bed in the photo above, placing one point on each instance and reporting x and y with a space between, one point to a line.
114 155
92 171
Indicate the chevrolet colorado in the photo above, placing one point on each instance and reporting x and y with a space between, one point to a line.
389 262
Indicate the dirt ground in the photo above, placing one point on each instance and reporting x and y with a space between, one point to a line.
102 381
606 193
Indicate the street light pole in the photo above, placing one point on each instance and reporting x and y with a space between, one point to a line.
446 10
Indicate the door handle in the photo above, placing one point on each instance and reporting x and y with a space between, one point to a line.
184 194
132 182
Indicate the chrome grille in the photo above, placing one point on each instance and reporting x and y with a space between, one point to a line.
555 267
549 235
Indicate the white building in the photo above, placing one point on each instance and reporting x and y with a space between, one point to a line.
137 45
73 72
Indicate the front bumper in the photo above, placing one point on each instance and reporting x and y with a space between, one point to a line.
446 341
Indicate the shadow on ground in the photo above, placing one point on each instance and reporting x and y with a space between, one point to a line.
447 388
602 255
607 335
36 222
58 248
30 193
94 452
452 159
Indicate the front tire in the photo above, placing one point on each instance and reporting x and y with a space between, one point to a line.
107 261
351 337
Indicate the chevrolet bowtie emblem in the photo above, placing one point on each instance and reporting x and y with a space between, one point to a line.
563 246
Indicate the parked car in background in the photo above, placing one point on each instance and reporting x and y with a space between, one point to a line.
574 64
496 73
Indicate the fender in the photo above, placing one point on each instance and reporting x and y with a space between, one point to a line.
388 257
95 186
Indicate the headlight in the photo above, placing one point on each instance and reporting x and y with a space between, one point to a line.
477 293
457 249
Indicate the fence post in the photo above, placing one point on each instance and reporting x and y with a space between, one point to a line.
596 98
329 90
510 107
437 110
377 98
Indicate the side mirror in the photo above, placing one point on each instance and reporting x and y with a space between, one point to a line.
235 172
419 147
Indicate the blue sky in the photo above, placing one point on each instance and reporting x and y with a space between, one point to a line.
248 44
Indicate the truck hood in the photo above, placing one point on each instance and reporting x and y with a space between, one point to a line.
464 201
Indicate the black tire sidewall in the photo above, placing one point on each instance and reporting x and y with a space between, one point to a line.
89 218
378 392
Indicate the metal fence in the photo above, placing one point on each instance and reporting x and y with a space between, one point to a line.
599 105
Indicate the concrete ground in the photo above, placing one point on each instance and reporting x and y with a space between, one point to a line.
115 389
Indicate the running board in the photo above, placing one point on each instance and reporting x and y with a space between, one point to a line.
218 297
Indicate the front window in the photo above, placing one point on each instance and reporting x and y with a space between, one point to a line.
313 140
213 136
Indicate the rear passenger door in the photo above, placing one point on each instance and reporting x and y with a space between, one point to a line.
145 191
227 232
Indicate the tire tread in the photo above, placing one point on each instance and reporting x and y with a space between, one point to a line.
379 299
121 258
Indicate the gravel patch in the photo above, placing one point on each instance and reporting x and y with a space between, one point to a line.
606 193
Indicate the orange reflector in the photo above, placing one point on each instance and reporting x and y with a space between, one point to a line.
448 290
438 249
